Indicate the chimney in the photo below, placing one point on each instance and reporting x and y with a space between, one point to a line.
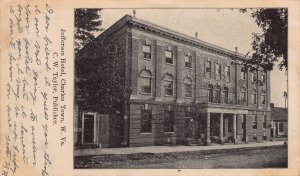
196 34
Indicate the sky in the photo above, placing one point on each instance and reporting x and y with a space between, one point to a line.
225 28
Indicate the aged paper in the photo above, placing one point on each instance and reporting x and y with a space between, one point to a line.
37 87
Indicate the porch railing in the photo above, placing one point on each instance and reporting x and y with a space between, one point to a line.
222 100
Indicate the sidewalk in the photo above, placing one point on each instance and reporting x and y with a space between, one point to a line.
171 149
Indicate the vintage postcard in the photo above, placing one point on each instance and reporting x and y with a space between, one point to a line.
149 88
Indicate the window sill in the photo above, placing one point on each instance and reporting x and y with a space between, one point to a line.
188 97
146 59
146 133
169 64
169 132
188 68
146 93
169 95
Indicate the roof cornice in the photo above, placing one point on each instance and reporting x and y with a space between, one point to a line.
168 33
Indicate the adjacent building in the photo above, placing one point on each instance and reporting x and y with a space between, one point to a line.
279 122
177 89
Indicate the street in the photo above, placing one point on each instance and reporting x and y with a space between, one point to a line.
271 157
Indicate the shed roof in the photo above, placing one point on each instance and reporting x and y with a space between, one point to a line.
278 113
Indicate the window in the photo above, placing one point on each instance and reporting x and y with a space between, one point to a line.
218 69
253 77
188 87
188 61
208 66
254 122
169 57
210 93
263 77
226 95
145 82
169 121
230 124
187 129
218 94
147 51
243 95
263 97
265 122
243 74
227 71
253 97
280 127
168 84
146 121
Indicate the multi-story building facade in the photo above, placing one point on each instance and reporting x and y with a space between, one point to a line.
183 90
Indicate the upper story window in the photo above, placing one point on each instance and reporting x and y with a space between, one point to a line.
168 85
227 71
263 77
147 51
243 95
188 89
243 74
146 121
169 57
145 83
253 97
218 69
210 93
208 66
188 61
225 95
263 97
253 76
218 94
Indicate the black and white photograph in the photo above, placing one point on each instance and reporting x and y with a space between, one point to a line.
180 88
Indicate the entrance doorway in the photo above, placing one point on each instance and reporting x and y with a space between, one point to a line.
89 128
244 128
194 129
214 127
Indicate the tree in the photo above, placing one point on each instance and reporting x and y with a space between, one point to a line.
87 23
270 46
102 79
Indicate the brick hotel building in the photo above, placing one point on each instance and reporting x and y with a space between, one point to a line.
183 91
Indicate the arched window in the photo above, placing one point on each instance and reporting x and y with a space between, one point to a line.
218 94
210 93
226 95
253 76
188 90
168 84
253 96
263 97
243 73
145 77
243 95
263 77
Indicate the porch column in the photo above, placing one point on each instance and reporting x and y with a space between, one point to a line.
221 129
234 128
208 142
